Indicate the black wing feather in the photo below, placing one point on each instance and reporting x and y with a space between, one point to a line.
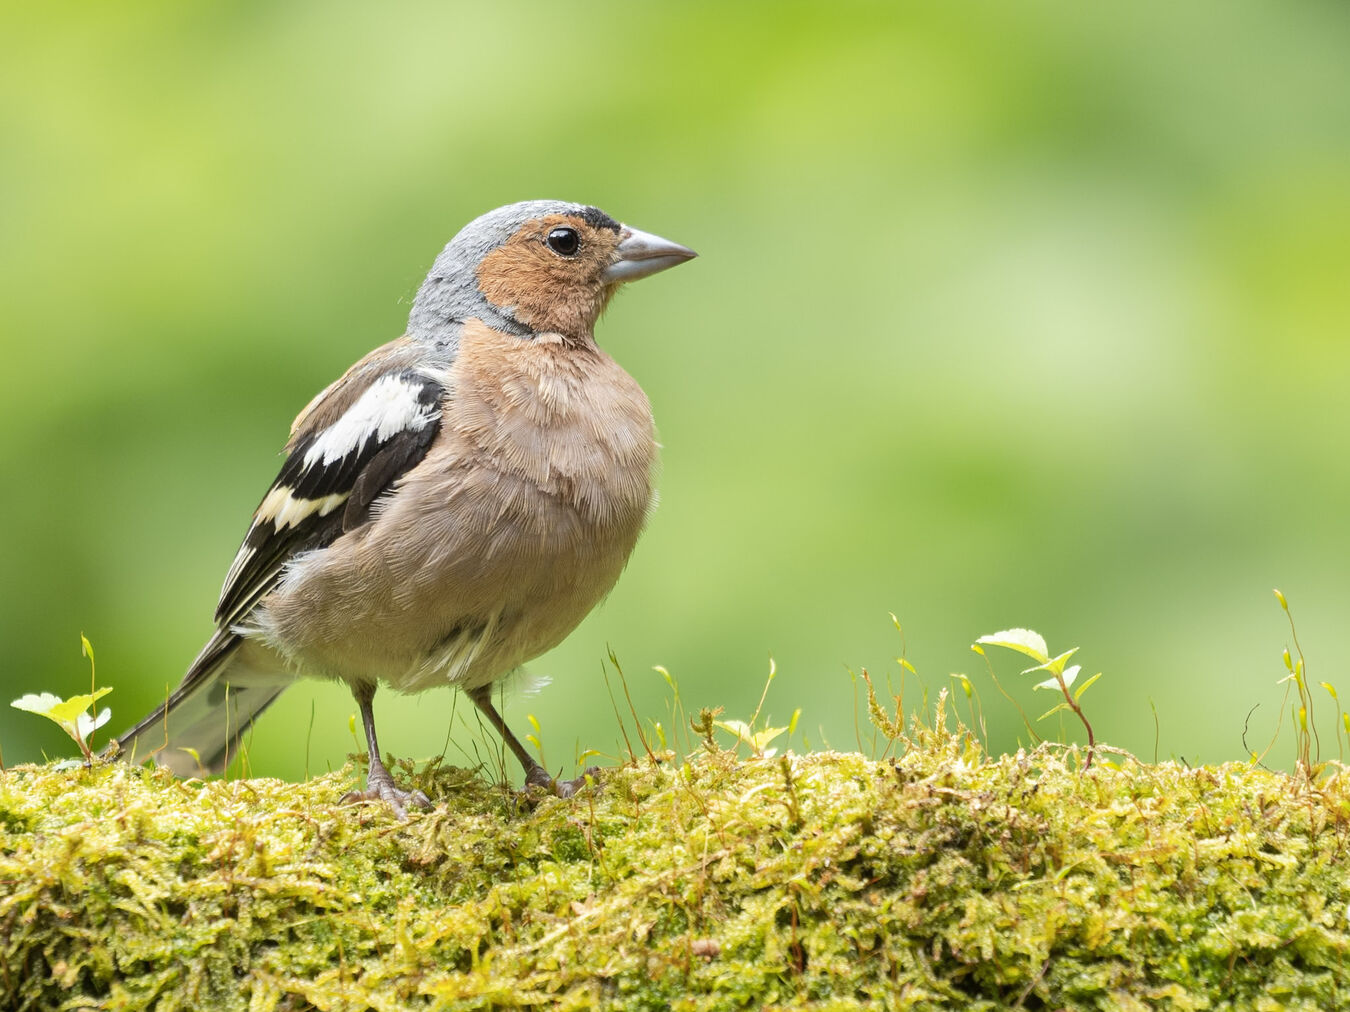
383 470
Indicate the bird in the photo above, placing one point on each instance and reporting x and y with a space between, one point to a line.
449 508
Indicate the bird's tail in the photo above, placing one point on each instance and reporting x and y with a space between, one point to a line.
197 729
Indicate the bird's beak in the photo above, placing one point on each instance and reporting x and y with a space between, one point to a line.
641 253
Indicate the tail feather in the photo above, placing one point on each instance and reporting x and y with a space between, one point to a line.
197 729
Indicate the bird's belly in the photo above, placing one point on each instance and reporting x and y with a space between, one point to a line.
460 583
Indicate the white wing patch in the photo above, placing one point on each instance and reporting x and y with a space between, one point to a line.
282 510
285 510
390 405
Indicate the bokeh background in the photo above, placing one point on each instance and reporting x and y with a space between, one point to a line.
1026 314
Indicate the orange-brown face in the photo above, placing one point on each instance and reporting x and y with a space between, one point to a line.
551 273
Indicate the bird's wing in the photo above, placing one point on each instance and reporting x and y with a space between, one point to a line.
348 447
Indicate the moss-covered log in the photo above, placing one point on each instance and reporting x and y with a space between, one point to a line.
941 880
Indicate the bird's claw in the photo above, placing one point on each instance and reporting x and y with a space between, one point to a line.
540 777
381 788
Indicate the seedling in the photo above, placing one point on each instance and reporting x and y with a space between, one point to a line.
1062 677
77 715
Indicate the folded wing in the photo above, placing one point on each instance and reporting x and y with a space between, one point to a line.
347 448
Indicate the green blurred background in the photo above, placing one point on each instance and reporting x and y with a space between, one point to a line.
1006 314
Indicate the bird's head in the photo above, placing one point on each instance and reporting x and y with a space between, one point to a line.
541 266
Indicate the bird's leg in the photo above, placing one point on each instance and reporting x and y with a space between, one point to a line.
534 773
379 782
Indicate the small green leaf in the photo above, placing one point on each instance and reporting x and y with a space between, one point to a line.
1085 686
86 724
747 735
69 710
37 702
72 715
760 740
737 727
1049 683
1026 641
1053 710
1055 665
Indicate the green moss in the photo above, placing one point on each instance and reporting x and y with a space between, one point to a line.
826 881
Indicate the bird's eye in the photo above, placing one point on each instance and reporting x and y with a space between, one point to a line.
564 241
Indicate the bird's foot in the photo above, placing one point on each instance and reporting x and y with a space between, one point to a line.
380 787
537 776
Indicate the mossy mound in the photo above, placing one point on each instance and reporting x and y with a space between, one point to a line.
939 880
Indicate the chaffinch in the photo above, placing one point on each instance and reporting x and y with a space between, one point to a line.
448 509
